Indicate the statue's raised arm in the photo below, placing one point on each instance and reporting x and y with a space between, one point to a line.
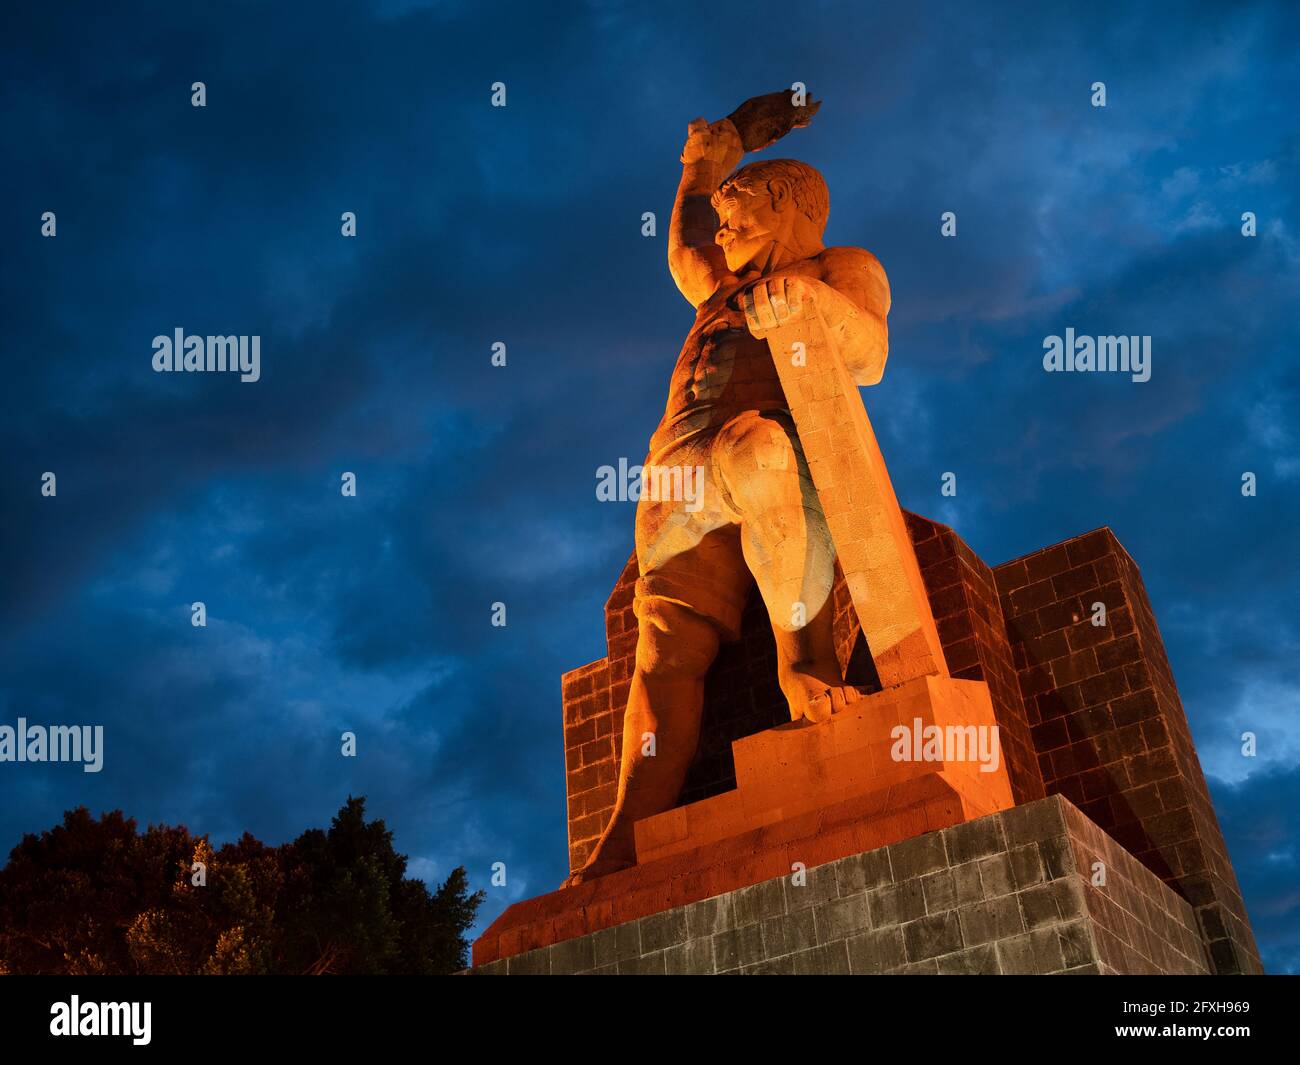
711 152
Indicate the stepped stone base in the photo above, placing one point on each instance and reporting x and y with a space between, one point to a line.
797 769
1086 711
1012 892
805 794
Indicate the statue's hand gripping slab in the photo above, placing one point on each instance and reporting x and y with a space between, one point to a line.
777 301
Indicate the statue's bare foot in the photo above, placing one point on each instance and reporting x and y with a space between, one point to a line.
816 701
832 701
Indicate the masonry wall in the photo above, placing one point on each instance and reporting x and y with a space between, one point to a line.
1110 729
964 599
1010 893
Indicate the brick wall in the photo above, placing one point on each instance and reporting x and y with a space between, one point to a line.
964 599
1110 729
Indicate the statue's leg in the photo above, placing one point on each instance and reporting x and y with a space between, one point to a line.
788 548
691 593
661 725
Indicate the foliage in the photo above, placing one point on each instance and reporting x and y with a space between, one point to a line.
98 897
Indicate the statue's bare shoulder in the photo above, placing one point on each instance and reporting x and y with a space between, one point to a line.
857 274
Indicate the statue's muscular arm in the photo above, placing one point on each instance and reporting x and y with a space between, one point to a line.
694 258
854 304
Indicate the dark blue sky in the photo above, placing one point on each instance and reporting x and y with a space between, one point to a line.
477 484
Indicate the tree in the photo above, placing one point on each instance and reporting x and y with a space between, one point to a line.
97 896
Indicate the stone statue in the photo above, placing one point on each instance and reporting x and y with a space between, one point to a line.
776 310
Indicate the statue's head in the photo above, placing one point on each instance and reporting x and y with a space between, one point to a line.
776 201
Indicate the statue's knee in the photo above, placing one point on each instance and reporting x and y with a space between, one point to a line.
761 465
759 438
673 640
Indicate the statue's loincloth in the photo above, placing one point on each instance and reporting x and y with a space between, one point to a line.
689 549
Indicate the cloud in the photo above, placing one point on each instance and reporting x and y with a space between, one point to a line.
476 483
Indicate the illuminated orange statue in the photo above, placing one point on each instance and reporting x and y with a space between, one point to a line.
764 411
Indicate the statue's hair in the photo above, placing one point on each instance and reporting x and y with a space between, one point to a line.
807 186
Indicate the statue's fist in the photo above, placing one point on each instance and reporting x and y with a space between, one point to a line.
774 301
717 143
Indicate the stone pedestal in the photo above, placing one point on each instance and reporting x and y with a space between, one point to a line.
1012 892
880 749
1086 711
913 758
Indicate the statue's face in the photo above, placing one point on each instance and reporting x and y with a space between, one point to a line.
748 226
